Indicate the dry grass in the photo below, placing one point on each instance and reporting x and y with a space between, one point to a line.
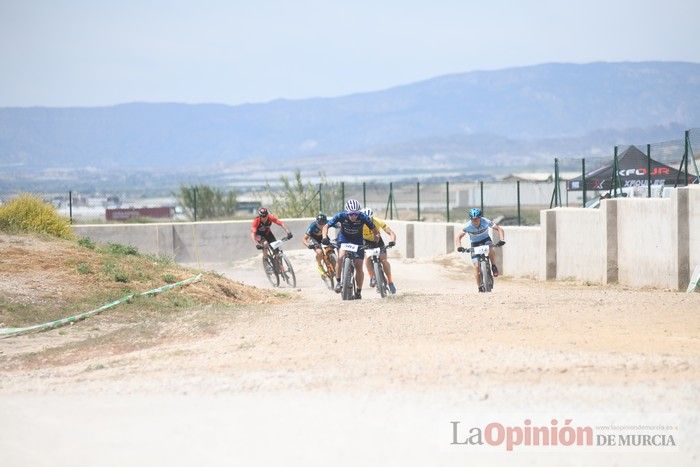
43 278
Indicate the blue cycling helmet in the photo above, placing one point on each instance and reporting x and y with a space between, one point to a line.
474 213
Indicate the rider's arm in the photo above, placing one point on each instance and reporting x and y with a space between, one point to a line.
390 233
253 229
499 230
458 239
306 239
324 231
278 222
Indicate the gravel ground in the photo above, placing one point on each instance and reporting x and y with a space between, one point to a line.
320 381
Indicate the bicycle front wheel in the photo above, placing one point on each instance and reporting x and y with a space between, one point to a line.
486 277
288 272
270 271
380 279
347 279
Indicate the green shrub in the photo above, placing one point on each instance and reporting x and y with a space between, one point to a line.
84 268
169 278
87 243
27 213
120 276
118 249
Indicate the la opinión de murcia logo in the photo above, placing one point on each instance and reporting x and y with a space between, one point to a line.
560 434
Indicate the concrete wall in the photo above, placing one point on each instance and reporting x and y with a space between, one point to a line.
636 242
191 242
647 242
580 239
520 256
432 239
693 227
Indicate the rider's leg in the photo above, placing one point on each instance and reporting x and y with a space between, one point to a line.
338 265
477 272
359 275
387 268
319 256
368 265
492 258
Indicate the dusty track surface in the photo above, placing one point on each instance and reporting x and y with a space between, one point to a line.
375 381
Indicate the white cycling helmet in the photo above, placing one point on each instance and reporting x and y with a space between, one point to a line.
368 212
352 205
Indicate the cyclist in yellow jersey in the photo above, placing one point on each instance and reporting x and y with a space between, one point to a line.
370 243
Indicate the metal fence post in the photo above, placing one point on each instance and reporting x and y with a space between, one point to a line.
70 205
391 200
320 197
342 192
195 203
615 174
648 170
687 154
583 179
518 189
364 194
447 191
481 189
418 199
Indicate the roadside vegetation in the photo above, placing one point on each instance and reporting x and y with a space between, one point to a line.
47 273
299 198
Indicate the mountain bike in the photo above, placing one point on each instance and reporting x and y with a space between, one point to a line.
347 275
277 265
328 260
484 264
382 284
328 266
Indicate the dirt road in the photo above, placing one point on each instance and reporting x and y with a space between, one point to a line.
319 381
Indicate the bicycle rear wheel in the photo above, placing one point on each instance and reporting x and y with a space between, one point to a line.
347 279
326 278
270 271
380 279
288 273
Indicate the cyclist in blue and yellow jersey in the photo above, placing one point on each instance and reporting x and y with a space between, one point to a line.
478 230
313 236
351 222
370 244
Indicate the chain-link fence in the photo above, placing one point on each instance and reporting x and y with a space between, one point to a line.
514 200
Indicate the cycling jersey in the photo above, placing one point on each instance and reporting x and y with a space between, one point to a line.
478 233
367 233
260 227
350 231
314 231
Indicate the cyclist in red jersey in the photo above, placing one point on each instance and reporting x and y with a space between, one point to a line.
260 231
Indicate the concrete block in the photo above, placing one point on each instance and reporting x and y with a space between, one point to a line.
693 226
548 244
580 240
610 268
647 242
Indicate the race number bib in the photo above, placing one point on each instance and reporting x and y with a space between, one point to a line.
481 250
276 244
373 252
349 247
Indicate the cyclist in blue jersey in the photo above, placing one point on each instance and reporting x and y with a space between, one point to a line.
351 222
478 230
313 236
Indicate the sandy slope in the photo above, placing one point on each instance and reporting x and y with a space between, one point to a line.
367 382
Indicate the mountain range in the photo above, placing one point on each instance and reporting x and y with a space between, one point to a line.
514 116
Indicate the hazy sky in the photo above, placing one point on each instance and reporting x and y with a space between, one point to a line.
92 52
